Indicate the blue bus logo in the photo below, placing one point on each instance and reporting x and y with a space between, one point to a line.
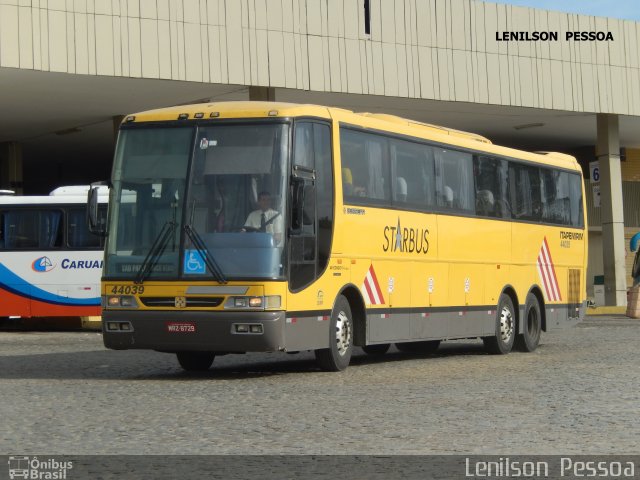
42 265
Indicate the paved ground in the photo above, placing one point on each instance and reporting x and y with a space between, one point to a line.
63 393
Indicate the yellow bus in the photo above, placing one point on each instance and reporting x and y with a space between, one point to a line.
261 227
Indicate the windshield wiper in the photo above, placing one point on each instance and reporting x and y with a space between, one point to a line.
156 251
209 261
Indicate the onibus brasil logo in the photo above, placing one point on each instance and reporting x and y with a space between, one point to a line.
32 468
42 265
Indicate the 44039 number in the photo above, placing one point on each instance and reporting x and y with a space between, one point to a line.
127 290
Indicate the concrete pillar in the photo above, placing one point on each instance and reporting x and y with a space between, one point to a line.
613 242
11 167
263 94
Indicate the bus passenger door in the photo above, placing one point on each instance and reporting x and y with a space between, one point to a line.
311 294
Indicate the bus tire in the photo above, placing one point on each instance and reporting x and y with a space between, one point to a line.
379 349
428 346
529 339
337 357
501 342
195 361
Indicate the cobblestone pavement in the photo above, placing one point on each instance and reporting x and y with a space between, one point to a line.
64 393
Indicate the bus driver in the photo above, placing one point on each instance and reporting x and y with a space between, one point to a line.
266 219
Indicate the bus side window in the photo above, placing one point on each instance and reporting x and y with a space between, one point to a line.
324 192
526 193
78 235
555 196
413 174
492 186
575 196
29 229
1 231
454 175
365 163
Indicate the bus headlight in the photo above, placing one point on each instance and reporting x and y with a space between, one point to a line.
253 303
121 301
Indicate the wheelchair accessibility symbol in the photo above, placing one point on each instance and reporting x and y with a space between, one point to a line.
194 262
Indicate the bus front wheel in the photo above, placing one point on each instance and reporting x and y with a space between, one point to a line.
505 332
195 361
530 337
337 357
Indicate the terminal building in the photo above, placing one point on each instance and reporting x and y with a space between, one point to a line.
71 69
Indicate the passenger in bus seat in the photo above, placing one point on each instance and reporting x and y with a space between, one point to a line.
448 196
401 189
347 181
484 203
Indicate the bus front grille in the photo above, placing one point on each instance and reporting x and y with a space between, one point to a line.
202 302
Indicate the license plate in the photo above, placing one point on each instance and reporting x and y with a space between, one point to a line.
181 327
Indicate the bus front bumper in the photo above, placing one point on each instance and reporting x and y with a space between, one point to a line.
193 331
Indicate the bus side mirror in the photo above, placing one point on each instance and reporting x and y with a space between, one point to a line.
96 226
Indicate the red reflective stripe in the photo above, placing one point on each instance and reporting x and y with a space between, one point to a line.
553 281
553 270
543 274
369 292
376 284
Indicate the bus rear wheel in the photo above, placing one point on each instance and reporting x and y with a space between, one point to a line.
379 349
502 342
530 338
337 357
428 346
195 361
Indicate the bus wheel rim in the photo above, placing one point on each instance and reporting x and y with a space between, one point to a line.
506 324
343 333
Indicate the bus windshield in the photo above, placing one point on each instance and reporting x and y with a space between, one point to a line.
199 202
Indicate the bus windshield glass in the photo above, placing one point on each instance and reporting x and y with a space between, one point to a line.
199 202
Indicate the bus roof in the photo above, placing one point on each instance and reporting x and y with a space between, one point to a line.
72 190
379 121
223 110
42 200
60 196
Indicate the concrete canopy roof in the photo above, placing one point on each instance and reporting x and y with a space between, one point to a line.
69 117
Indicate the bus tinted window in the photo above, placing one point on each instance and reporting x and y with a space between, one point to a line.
525 188
413 174
365 167
555 196
324 189
78 235
32 229
575 194
454 179
492 187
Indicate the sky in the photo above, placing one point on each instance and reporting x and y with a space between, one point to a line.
627 9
